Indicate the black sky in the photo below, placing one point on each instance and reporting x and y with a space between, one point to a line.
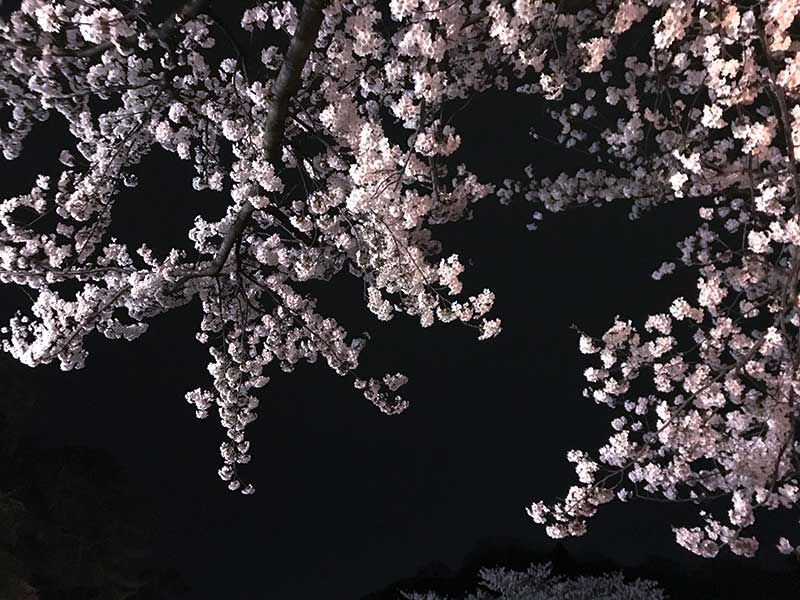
348 499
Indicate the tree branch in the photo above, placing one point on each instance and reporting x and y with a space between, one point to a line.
286 85
186 13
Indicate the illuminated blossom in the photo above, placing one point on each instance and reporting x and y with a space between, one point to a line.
341 160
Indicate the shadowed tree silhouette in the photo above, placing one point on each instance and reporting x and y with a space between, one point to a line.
507 560
71 525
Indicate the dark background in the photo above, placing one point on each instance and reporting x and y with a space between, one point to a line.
349 500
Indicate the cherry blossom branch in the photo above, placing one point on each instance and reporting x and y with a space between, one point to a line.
783 114
83 326
646 446
186 13
285 86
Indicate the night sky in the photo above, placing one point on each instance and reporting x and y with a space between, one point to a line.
349 500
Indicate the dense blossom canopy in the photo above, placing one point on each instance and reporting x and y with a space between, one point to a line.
336 155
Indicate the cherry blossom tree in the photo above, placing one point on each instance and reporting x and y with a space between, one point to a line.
336 156
539 583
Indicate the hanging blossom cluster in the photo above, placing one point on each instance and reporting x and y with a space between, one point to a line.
336 156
